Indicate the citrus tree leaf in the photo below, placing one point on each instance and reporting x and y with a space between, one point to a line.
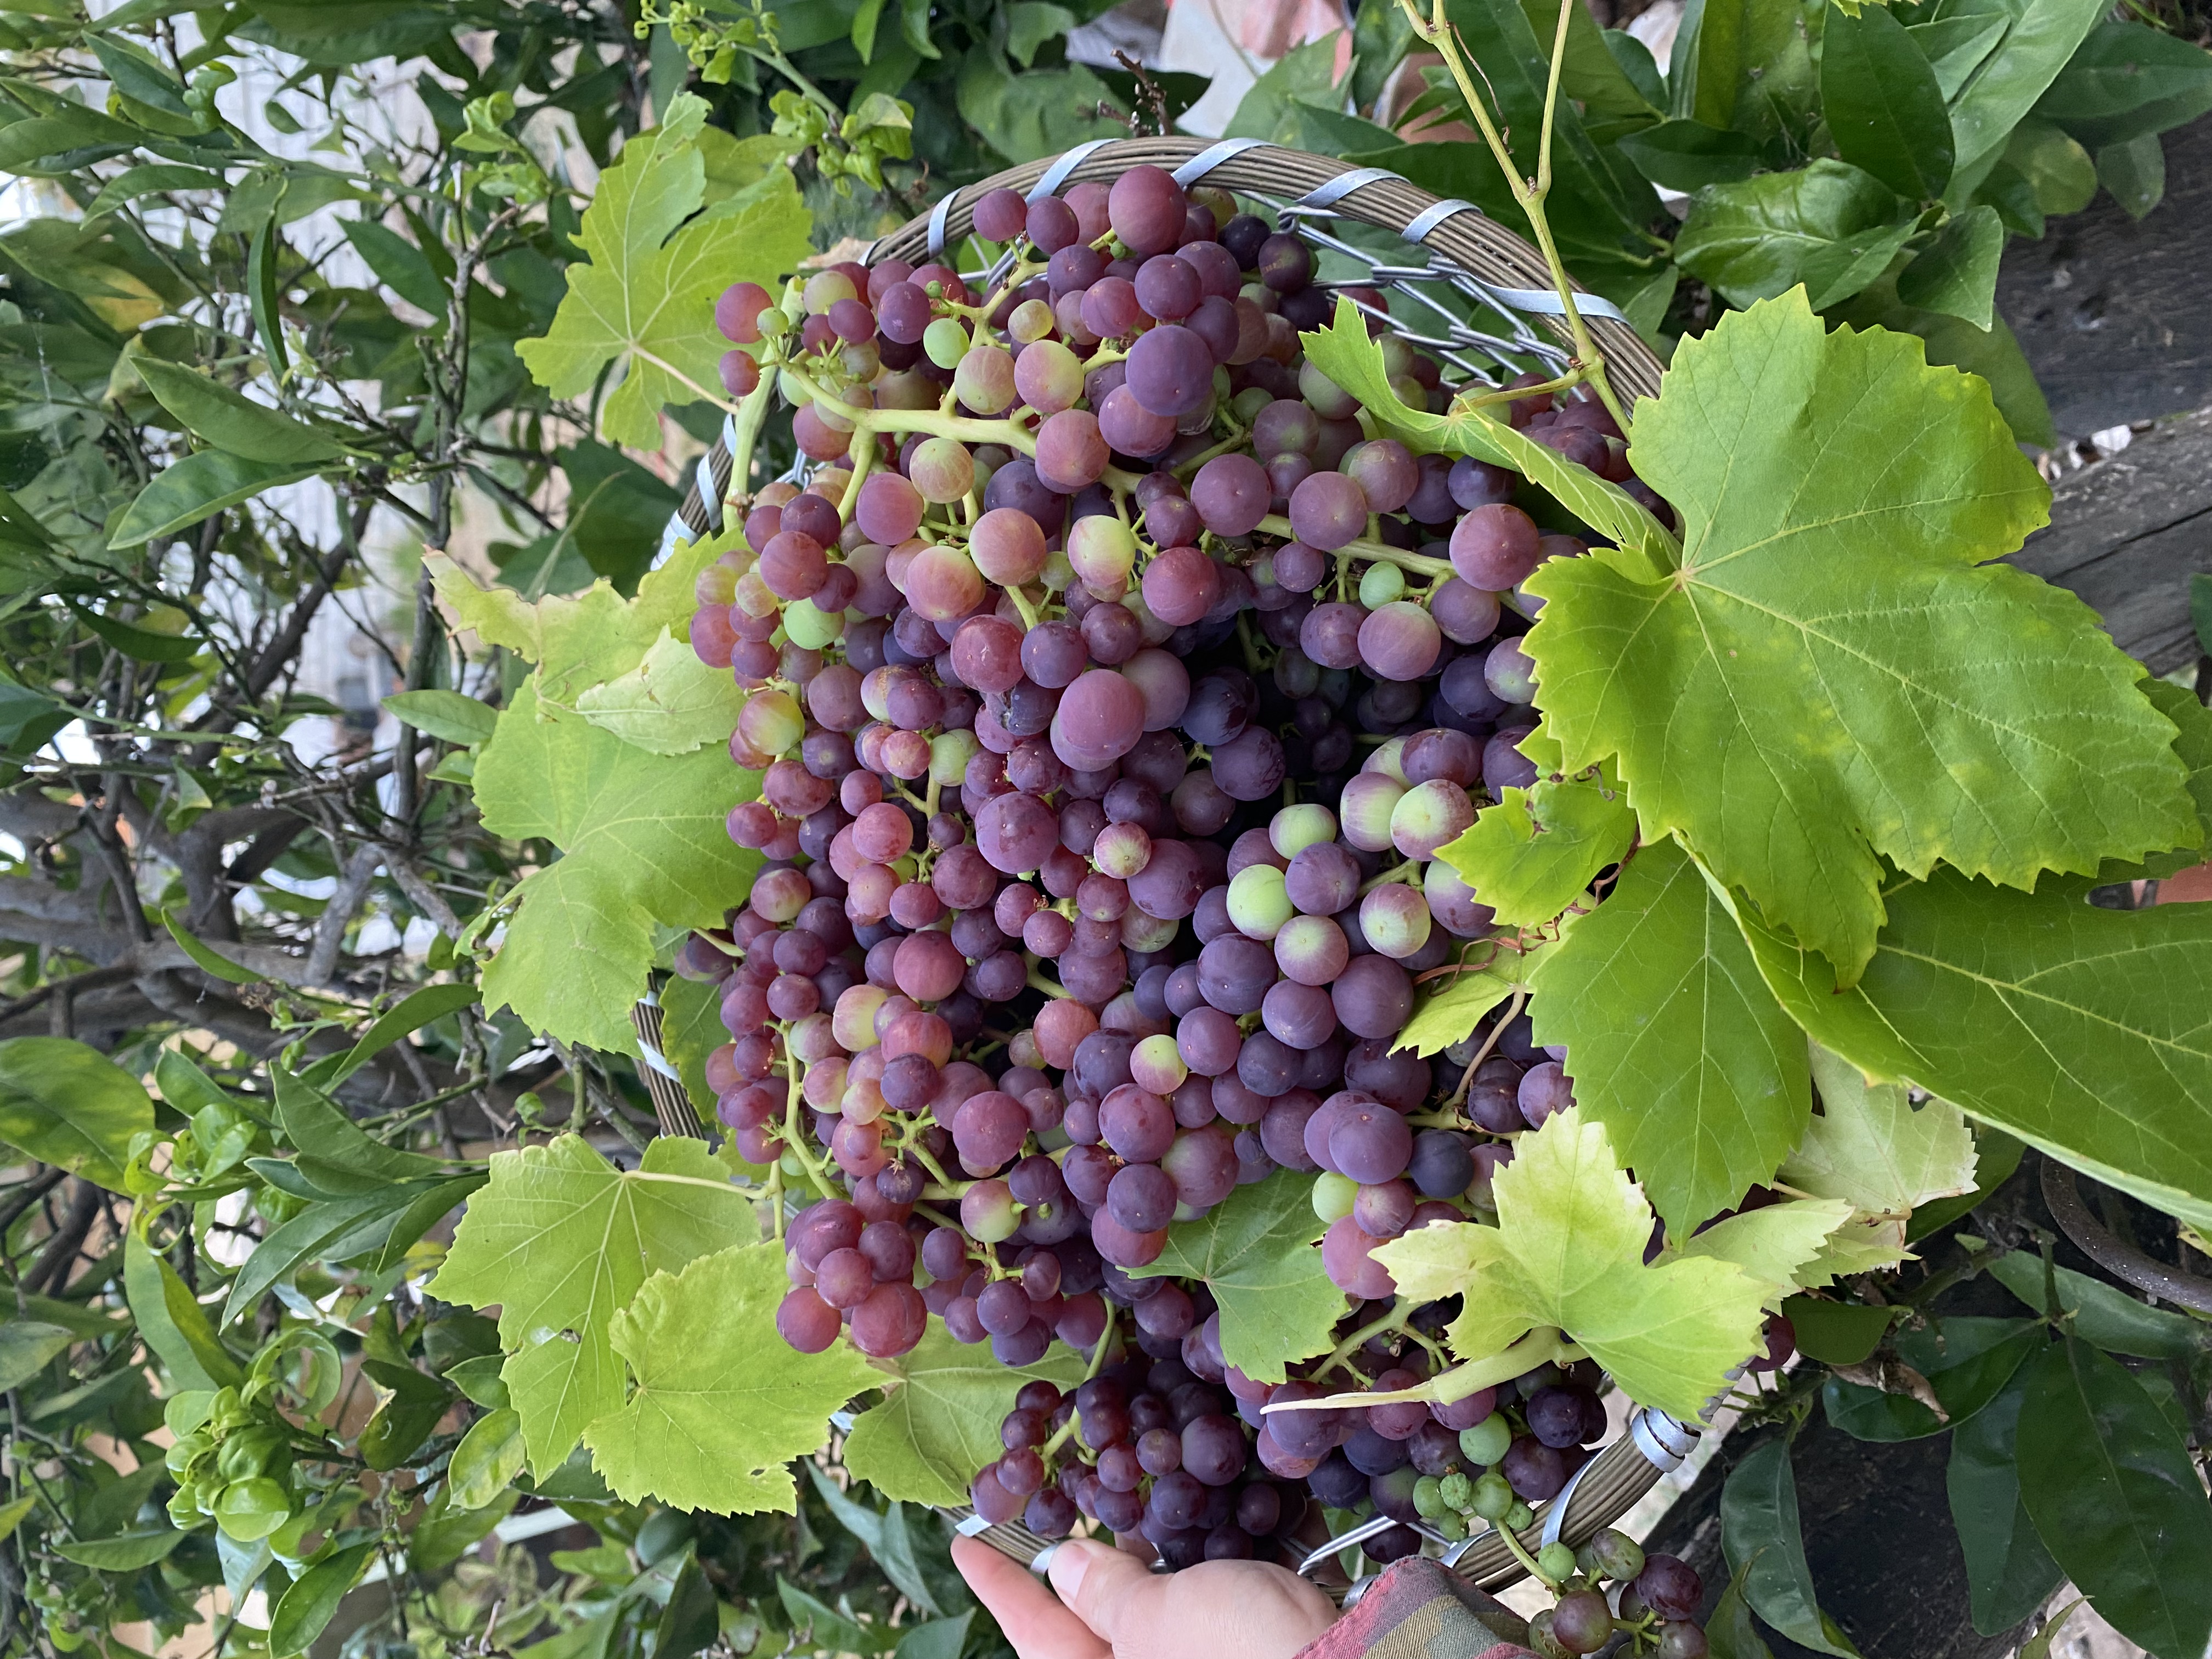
937 1422
2005 85
231 421
1761 1540
70 1106
2081 1030
1846 681
1255 1251
1957 273
180 496
644 842
1674 1043
1450 1012
670 703
2116 1498
450 716
1568 1251
1967 1362
1829 227
2008 1572
26 1345
1535 852
561 1240
645 300
721 1403
1884 109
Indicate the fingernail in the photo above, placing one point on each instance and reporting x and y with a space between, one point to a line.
1043 1563
1070 1562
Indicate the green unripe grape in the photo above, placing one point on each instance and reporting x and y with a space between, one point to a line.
1452 1526
1586 1564
1102 550
1485 1443
944 342
1457 1489
1619 1556
1248 403
1258 903
823 290
804 625
1388 759
773 323
1030 321
1494 1497
1058 573
1557 1562
1294 829
1430 816
949 755
1428 1497
792 1165
1157 1064
771 721
1333 1195
1520 1517
1382 584
251 1509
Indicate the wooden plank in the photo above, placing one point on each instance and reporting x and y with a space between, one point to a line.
2110 310
2127 533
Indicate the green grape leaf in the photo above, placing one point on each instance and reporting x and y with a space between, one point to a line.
1843 680
2116 1497
587 641
1872 1146
2079 1029
1568 1251
722 1403
670 703
1352 358
1778 1244
937 1422
560 1241
1256 1252
647 298
643 841
1451 1012
1675 1044
70 1106
1535 852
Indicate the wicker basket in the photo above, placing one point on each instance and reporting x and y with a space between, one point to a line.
1505 315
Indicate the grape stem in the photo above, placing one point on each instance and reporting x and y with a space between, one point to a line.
751 416
1497 1030
1546 1346
1410 870
1039 982
1374 552
791 1100
1512 1543
1437 29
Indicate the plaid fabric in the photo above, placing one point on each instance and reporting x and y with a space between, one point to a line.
1419 1609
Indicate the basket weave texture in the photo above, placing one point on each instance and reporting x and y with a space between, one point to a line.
1511 275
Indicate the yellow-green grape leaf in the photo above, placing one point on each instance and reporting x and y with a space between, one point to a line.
1675 1043
1536 852
1352 358
560 1241
722 1404
1255 1251
670 703
587 641
1568 1251
643 839
1456 1003
1779 1244
647 298
1836 675
937 1422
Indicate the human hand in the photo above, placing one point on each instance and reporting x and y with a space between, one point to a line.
1109 1603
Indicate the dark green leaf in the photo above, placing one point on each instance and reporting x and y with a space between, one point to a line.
1829 226
126 1554
2200 610
304 1609
1836 1332
1380 38
889 1546
70 1106
865 22
2117 1499
1730 1630
1967 1361
26 1345
263 252
1638 64
2104 1316
2135 172
142 643
447 715
1040 113
1607 96
1030 24
194 488
1685 155
2057 169
230 421
1760 1538
134 182
175 1326
691 1619
1746 64
402 1422
138 76
831 1632
1884 110
312 1124
418 1008
939 1639
2008 1572
2006 83
2128 81
25 144
400 266
1957 273
393 1242
1955 47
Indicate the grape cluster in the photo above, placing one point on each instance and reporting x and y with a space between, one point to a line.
1112 692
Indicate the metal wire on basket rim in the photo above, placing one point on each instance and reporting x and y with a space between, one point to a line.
1499 274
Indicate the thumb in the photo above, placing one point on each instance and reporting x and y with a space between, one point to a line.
1108 1588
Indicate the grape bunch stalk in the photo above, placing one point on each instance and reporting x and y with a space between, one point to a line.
1112 688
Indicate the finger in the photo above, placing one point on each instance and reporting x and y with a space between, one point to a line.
1034 1622
1108 1590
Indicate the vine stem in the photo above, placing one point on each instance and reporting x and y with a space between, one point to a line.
1438 32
